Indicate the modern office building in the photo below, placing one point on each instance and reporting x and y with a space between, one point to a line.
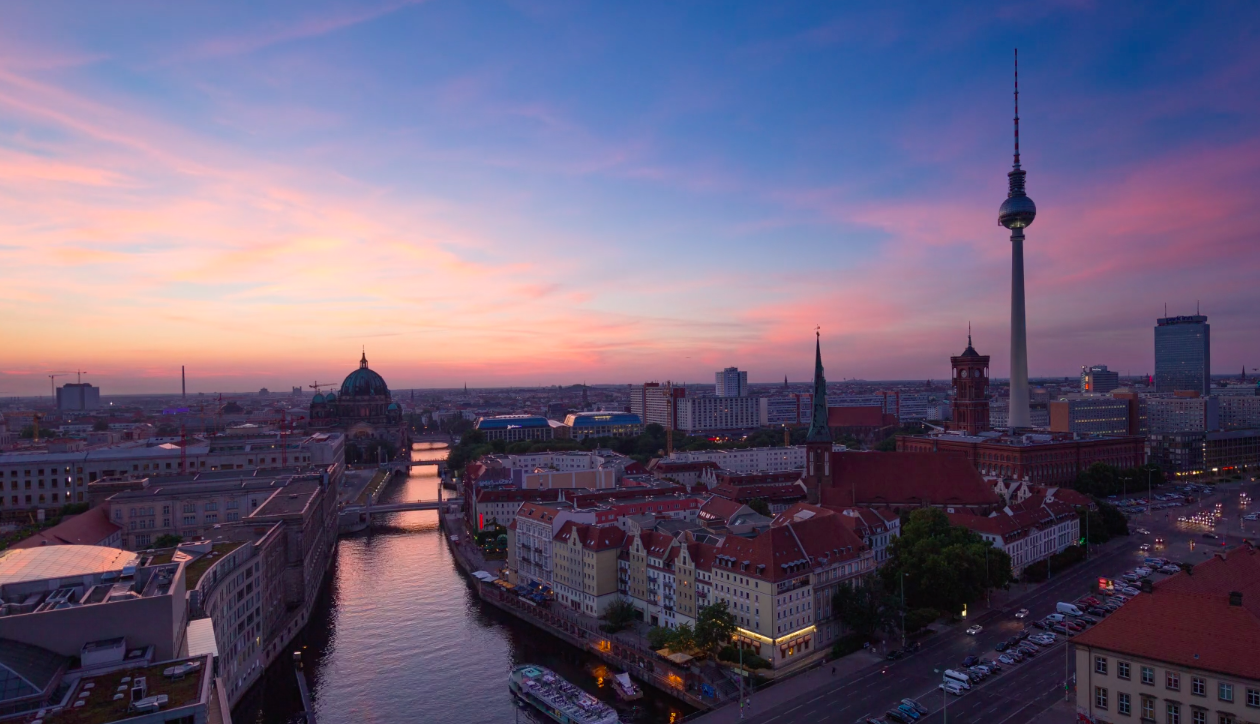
696 414
81 396
1183 354
1098 379
787 409
731 382
1182 413
603 424
657 403
1090 415
513 428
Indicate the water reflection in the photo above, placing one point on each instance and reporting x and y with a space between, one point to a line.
400 636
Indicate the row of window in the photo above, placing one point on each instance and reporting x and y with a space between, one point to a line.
1172 681
53 498
1172 709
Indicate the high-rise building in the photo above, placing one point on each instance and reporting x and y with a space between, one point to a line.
81 396
657 403
731 382
1090 415
1099 379
1016 214
1183 354
695 414
971 390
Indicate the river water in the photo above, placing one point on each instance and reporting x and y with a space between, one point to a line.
400 636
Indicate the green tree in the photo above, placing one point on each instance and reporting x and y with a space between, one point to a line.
659 637
684 638
619 614
168 540
759 505
866 608
946 566
1093 525
715 625
1114 521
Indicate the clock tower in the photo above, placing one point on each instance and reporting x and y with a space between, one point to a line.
971 390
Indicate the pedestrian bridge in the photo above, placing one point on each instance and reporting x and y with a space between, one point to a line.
404 506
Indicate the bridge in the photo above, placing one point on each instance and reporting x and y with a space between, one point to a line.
400 507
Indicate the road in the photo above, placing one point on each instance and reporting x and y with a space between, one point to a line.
1020 692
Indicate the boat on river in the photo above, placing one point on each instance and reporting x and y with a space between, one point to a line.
625 688
549 694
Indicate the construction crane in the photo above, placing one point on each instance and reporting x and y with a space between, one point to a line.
52 382
316 386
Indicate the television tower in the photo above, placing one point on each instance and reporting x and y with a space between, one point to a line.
1016 213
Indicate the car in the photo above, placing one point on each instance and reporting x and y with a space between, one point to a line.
1098 611
1091 600
1060 628
1022 635
970 661
978 673
1074 625
1144 547
1016 654
909 711
1090 620
916 705
876 721
951 687
1007 659
973 630
1130 591
1021 613
1044 640
1213 536
1143 531
1040 624
992 665
893 655
1001 646
896 716
1028 650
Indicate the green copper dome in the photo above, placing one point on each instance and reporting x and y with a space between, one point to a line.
363 382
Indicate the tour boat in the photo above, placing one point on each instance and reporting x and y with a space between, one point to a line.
548 693
625 688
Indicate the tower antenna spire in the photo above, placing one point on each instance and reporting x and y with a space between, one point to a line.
968 333
1017 108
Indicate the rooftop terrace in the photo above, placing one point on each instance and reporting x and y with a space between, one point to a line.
101 706
195 570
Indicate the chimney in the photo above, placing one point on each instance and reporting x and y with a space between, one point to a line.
1235 598
1147 586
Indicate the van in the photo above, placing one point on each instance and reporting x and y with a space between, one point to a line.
1055 617
1068 608
958 677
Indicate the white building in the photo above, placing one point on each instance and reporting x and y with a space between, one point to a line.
718 413
786 409
1168 413
1239 413
750 460
1028 532
731 382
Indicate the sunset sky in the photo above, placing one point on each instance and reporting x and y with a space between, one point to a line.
544 192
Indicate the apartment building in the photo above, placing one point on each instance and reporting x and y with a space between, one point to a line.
1029 531
1183 652
584 567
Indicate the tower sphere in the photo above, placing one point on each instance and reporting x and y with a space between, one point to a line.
1017 212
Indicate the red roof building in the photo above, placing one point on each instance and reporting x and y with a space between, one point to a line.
92 528
904 481
1040 458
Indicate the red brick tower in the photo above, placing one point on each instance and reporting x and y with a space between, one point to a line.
818 441
971 390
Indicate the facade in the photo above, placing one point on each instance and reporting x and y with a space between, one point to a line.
786 409
748 460
31 480
81 396
603 424
1099 380
363 402
513 428
1201 668
1189 454
1239 413
585 566
1090 415
1029 531
877 529
696 414
498 507
970 412
731 382
1182 413
1183 354
1041 459
655 403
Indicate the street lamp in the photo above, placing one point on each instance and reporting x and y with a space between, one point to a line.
903 610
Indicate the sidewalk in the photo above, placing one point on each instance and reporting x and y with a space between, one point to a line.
792 688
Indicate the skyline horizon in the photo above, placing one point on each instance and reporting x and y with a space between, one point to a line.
555 193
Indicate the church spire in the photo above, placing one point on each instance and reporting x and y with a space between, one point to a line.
819 431
363 360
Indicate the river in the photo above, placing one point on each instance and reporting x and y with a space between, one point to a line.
400 637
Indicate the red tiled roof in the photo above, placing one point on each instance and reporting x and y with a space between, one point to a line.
1188 620
719 508
786 477
592 537
792 546
904 478
745 493
866 416
88 529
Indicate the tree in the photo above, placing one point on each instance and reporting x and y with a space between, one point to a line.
1114 521
715 625
1102 480
888 444
659 637
866 608
619 614
100 426
945 565
759 505
168 540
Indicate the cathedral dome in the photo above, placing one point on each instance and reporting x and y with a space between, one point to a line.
363 382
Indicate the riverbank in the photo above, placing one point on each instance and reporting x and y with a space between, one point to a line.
687 684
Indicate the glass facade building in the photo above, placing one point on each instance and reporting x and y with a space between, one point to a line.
1183 358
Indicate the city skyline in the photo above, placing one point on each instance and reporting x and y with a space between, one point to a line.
541 195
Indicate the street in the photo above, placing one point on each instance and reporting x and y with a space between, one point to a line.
1019 692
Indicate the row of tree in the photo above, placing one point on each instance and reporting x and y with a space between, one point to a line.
1101 480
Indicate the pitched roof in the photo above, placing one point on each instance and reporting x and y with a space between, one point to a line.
1197 627
719 508
905 478
792 546
592 537
864 416
765 492
89 529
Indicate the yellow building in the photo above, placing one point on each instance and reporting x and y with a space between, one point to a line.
584 566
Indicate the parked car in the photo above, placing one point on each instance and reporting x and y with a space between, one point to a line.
979 672
1023 634
917 706
1021 613
1060 629
1001 646
1007 659
970 661
1130 591
909 711
973 630
896 716
952 687
991 665
1039 624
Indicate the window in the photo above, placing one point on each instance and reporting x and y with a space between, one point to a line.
1122 669
1198 716
1148 708
1123 705
1172 681
1174 712
212 517
1253 695
1198 686
190 520
190 507
1100 664
1148 676
1100 697
1225 718
1225 692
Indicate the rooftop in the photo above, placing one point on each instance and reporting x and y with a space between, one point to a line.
20 565
102 708
195 570
292 498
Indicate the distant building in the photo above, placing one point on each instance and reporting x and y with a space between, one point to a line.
971 391
603 424
696 414
81 396
1184 412
363 407
1183 354
1090 415
1098 379
1189 454
655 403
1040 458
786 409
513 428
731 382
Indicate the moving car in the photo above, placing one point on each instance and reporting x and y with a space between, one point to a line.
1021 613
973 630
